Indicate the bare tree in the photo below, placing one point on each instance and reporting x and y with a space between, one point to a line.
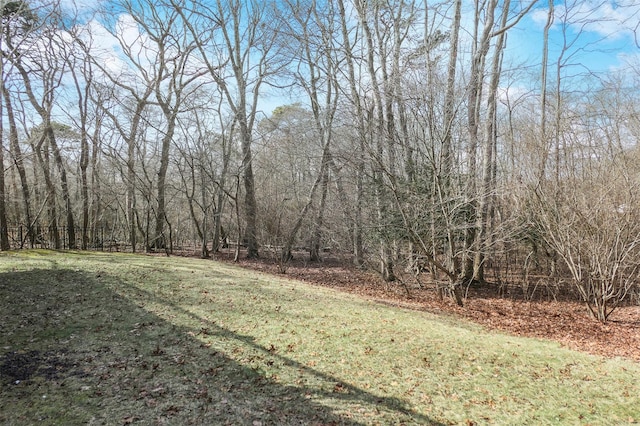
307 31
126 95
591 220
238 51
204 166
4 235
481 197
82 76
172 47
15 14
38 58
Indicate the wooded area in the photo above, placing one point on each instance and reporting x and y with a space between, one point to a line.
410 137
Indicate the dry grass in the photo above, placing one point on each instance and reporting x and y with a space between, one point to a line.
128 339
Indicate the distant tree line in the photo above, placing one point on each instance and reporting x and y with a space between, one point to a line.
405 134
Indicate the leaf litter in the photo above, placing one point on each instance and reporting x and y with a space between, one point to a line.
564 321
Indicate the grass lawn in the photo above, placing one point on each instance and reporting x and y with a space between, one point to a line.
93 338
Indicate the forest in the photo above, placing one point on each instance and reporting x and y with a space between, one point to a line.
408 136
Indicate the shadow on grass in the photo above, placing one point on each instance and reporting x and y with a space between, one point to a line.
75 352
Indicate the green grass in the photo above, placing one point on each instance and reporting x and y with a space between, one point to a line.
91 338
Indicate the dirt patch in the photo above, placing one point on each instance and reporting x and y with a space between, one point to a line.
19 366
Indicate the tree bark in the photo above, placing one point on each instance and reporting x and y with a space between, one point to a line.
4 235
18 160
83 108
71 228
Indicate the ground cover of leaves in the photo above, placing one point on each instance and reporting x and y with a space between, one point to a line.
567 322
115 339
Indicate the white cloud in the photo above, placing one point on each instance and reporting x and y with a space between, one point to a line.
116 49
540 16
628 66
129 34
103 45
513 94
611 20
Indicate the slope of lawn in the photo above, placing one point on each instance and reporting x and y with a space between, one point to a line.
90 338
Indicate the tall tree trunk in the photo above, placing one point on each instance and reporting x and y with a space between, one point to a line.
83 108
71 229
444 177
159 241
379 133
18 160
320 76
476 80
204 249
543 93
358 231
48 134
358 239
286 252
218 234
131 136
316 242
170 101
486 196
131 190
246 49
50 196
84 190
96 197
250 203
4 228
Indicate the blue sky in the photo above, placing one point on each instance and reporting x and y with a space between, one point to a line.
605 28
601 34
